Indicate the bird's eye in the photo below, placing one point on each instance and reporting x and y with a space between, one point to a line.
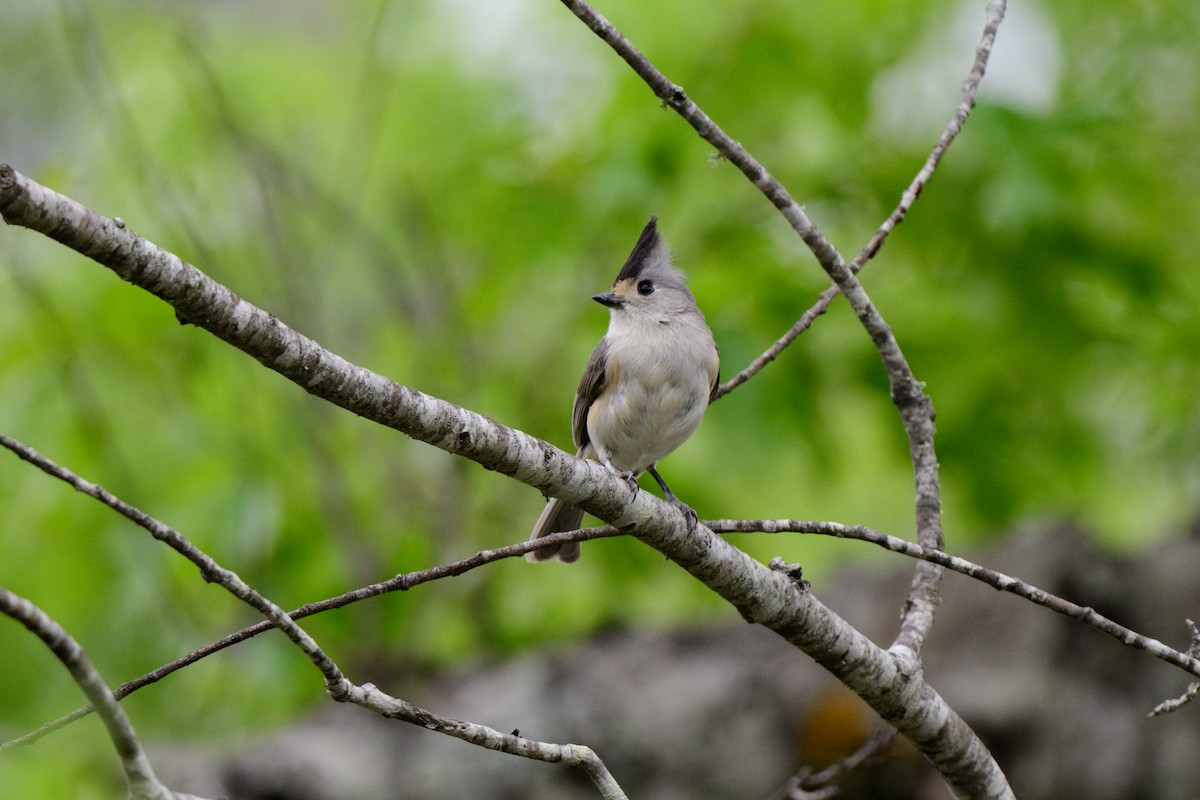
646 287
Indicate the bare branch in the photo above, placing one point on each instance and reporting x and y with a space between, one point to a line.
402 582
804 323
336 684
143 783
574 755
210 570
201 301
876 743
1193 690
890 681
1167 706
809 785
983 51
916 409
997 580
995 15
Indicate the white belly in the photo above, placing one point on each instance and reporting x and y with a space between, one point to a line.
654 405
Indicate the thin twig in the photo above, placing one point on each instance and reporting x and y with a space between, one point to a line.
809 785
1174 704
995 15
771 353
1193 690
143 783
574 755
338 686
983 52
401 582
997 580
876 743
210 570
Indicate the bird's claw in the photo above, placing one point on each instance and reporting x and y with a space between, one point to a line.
631 481
688 513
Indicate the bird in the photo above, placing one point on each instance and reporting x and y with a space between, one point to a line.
646 385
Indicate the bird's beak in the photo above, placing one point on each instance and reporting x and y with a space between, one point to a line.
608 299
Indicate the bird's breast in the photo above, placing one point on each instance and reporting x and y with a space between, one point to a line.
658 398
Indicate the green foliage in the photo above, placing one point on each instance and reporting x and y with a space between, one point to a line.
435 190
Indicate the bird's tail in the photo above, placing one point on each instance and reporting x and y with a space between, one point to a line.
559 515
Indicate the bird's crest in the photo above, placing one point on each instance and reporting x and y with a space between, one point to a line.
649 251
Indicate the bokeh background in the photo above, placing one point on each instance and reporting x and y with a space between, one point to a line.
435 189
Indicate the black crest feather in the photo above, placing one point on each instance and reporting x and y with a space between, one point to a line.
647 243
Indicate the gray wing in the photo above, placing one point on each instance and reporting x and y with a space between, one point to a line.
590 385
716 378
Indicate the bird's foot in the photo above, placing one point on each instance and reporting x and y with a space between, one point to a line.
688 513
631 479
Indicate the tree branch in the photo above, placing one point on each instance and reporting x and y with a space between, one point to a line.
1189 662
983 51
891 682
338 686
143 783
199 300
399 583
1193 690
771 353
809 785
573 755
210 570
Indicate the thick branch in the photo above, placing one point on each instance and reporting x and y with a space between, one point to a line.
201 301
889 682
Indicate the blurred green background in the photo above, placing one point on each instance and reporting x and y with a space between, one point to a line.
435 189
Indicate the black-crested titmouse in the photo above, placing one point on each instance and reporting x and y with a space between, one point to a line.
646 385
